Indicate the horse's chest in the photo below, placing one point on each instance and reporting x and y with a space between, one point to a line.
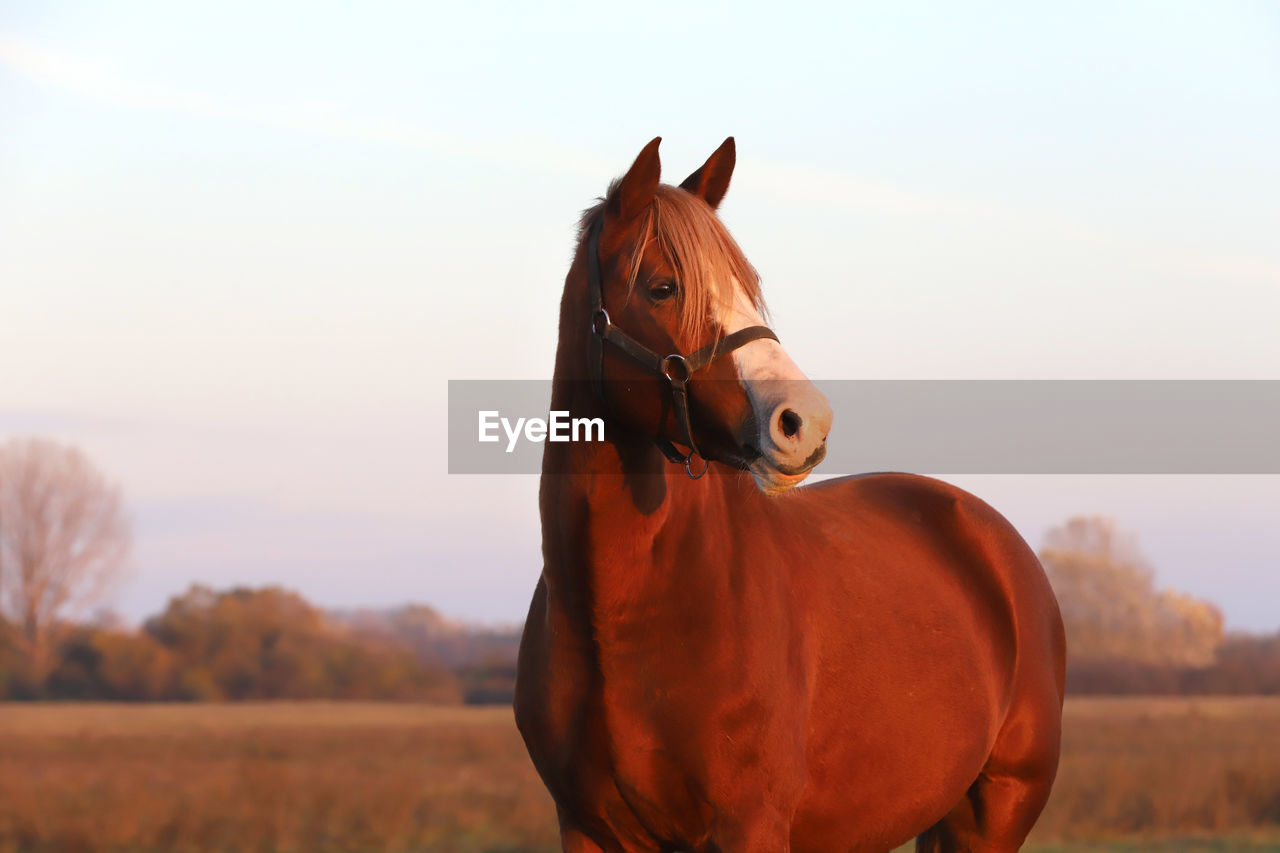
694 737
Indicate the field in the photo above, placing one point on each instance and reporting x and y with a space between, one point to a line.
1137 775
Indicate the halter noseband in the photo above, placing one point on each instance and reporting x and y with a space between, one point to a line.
677 369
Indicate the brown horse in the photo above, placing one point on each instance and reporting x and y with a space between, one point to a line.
709 667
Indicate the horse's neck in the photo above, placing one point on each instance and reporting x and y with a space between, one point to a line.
623 528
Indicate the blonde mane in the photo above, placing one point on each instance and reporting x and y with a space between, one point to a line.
706 259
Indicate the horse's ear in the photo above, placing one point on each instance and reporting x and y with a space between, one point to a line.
711 182
639 185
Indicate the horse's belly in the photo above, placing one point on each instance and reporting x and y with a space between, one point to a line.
909 692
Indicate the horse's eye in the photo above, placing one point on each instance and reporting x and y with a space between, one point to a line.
662 291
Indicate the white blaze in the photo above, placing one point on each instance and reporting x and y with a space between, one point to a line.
774 384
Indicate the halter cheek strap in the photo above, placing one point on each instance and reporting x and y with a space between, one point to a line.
677 369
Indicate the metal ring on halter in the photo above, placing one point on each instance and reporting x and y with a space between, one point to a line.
600 323
676 369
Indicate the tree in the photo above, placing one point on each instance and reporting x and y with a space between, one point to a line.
64 539
1110 605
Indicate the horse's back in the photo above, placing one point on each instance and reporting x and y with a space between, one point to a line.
933 622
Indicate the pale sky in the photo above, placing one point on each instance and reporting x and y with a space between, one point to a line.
243 246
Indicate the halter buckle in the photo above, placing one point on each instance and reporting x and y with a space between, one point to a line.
676 369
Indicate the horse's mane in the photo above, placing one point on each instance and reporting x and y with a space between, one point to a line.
705 257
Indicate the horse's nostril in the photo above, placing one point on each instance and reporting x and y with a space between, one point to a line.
790 423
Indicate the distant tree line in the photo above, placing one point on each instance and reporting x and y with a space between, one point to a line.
263 644
1245 664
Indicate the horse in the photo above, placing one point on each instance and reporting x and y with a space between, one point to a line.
717 664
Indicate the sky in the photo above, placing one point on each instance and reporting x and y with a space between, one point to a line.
243 247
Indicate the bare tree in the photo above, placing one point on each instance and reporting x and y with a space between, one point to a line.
1110 604
64 539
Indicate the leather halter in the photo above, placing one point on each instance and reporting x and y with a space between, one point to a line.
677 369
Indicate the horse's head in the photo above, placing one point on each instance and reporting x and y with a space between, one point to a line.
676 311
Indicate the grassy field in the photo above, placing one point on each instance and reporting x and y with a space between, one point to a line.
1186 775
